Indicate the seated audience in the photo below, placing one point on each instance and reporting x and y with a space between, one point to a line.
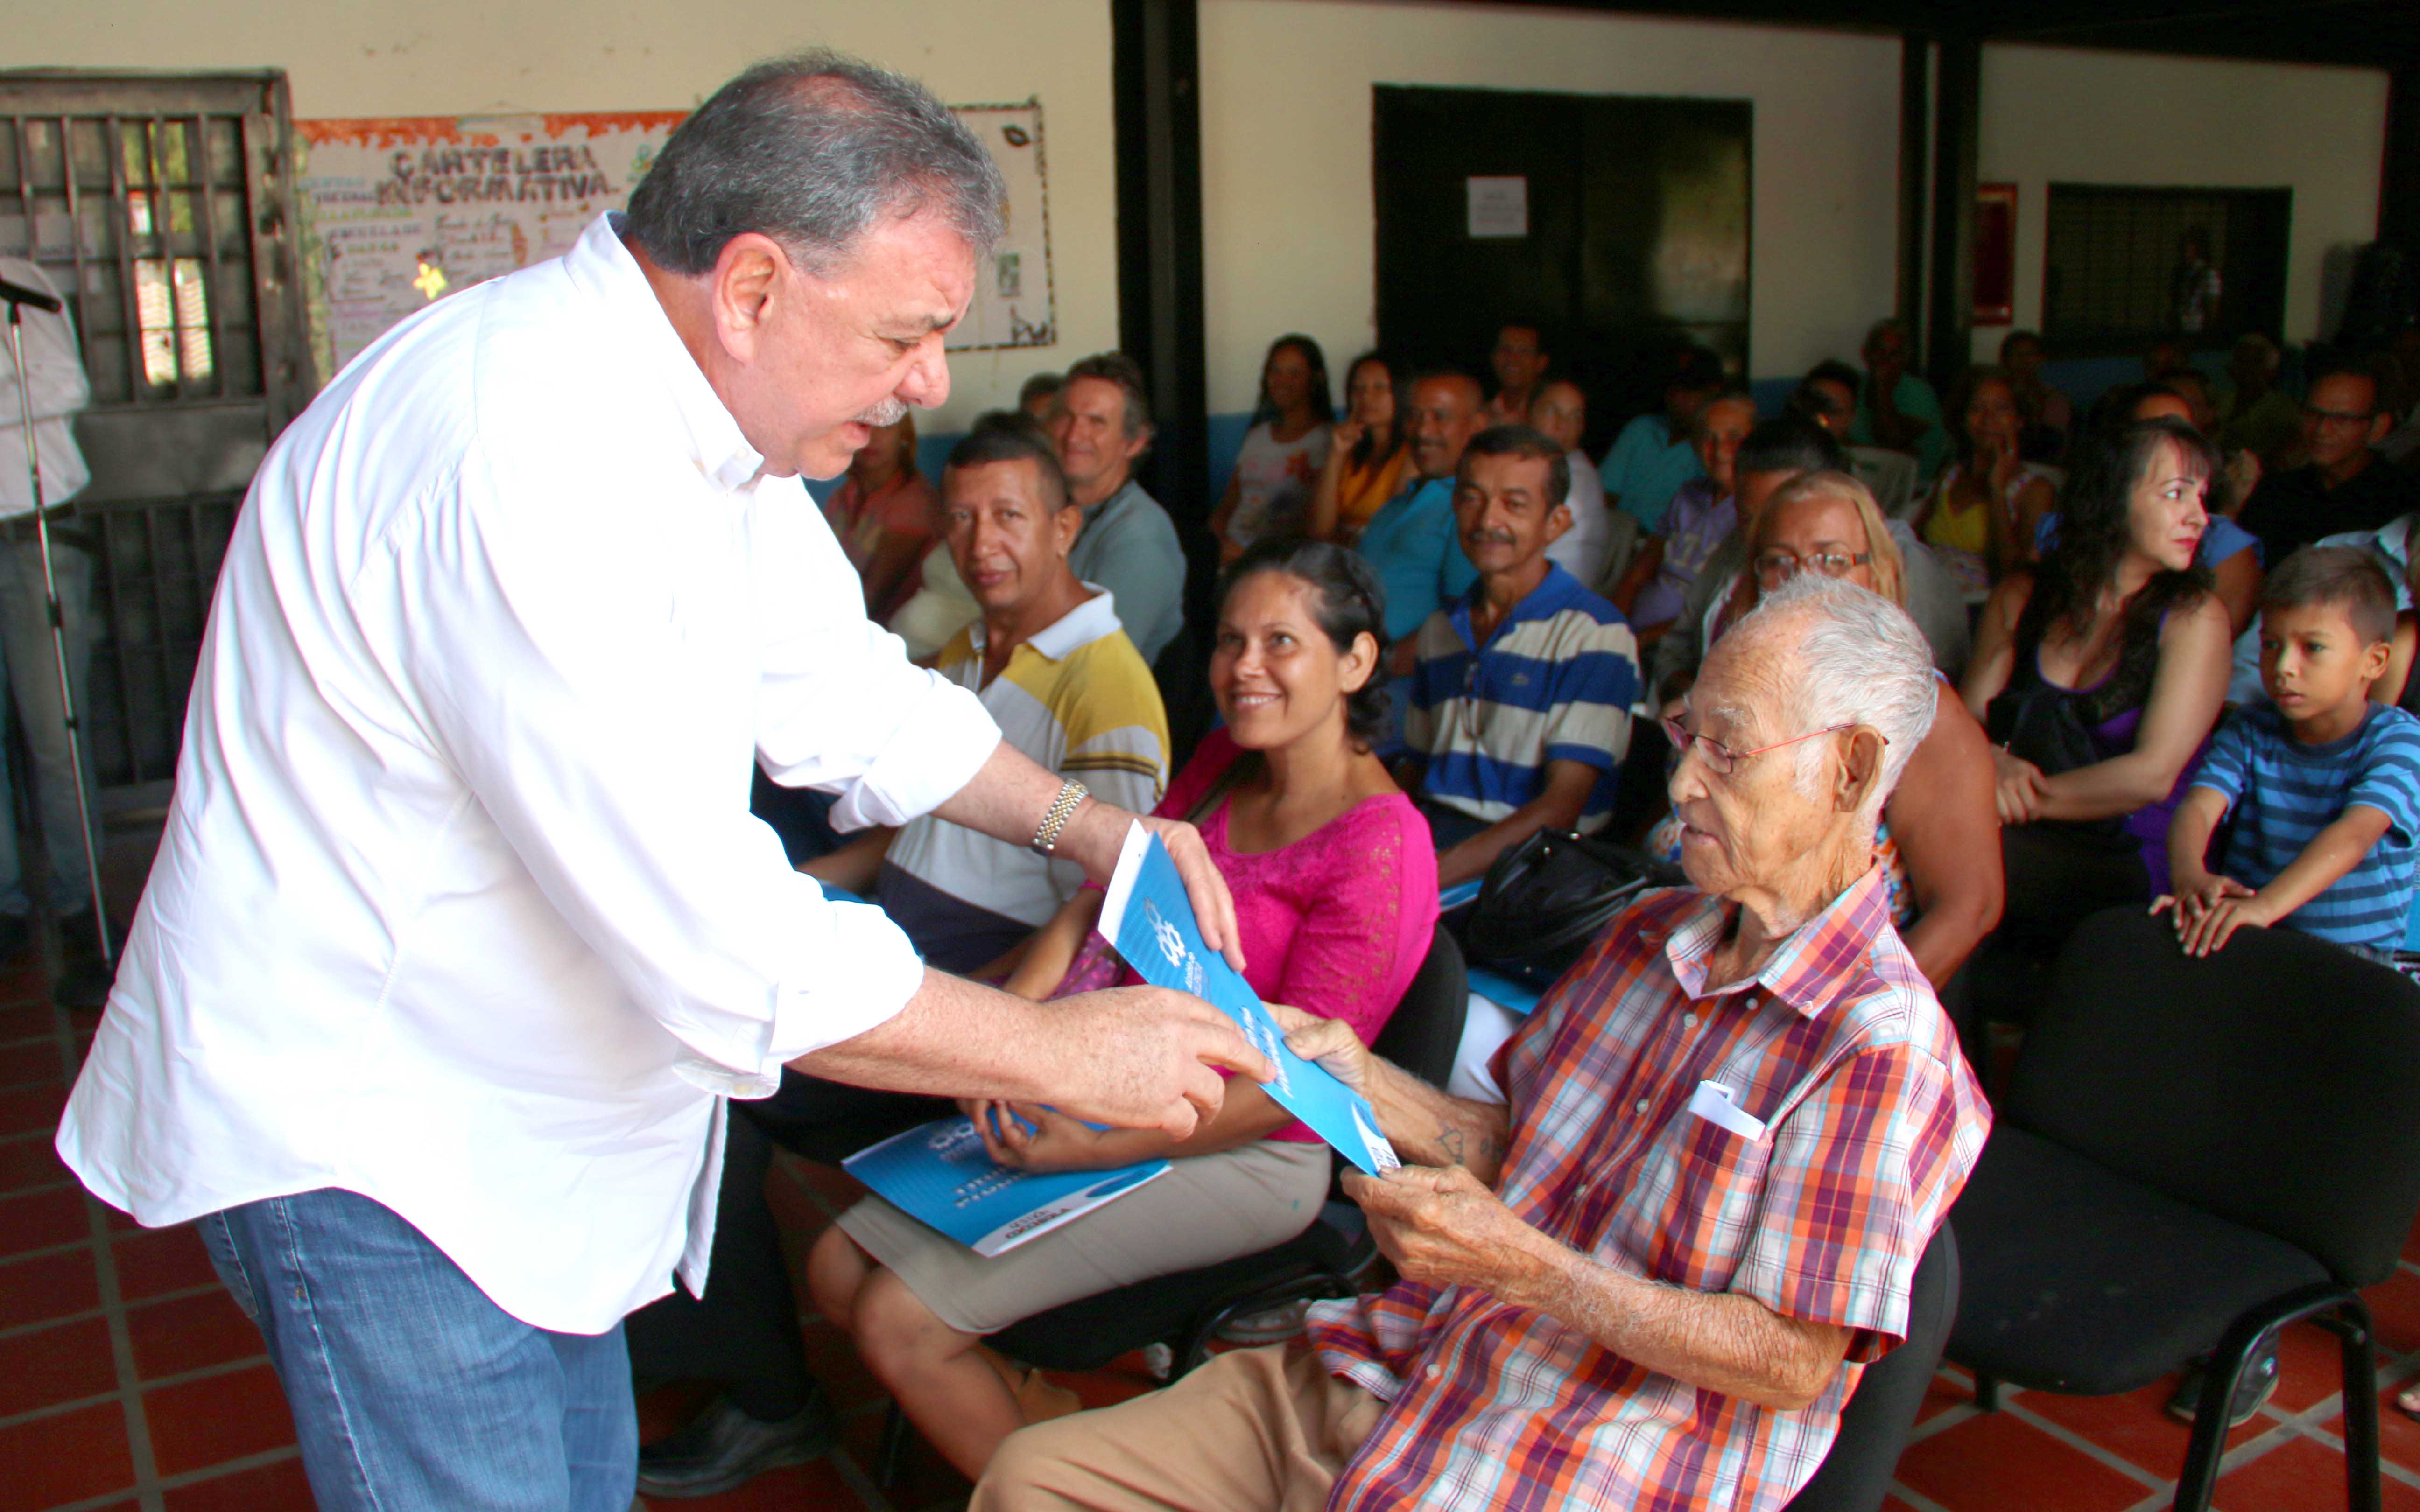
1611 1301
1335 894
1828 396
1981 517
1410 542
1039 396
1652 457
1519 362
1103 428
1560 411
1520 706
2321 785
1283 452
2099 674
2258 417
1368 450
2047 414
1058 675
1772 454
882 515
1938 840
1704 515
2346 485
1895 409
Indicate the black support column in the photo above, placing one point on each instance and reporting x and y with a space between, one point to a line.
1957 133
1915 126
1155 75
2398 188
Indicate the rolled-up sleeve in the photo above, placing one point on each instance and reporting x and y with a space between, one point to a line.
599 682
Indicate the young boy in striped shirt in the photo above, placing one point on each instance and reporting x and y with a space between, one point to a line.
2324 784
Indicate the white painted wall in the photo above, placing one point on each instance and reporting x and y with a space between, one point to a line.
2080 116
445 57
1288 209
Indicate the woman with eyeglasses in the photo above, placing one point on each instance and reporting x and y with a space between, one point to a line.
2098 675
1939 839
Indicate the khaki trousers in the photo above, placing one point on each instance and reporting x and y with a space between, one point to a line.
1253 1430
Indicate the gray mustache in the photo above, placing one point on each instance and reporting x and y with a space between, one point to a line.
889 412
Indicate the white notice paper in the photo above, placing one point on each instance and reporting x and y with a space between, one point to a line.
1500 207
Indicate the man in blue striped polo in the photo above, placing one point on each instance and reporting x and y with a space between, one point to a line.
1522 697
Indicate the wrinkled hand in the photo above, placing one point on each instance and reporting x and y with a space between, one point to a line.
2020 789
1142 1058
1445 1227
1098 832
1329 1041
1346 436
1027 1137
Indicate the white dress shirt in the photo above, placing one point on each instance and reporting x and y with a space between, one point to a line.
459 905
1580 550
55 376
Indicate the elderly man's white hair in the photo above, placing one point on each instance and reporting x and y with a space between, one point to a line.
1859 660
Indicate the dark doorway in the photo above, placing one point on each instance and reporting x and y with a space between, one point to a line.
1636 240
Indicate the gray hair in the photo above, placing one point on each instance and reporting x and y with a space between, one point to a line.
1859 661
812 150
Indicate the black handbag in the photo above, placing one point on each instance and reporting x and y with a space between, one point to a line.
1546 897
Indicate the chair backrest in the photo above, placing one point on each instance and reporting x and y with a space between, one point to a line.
1425 1029
1890 474
1855 1474
2275 1084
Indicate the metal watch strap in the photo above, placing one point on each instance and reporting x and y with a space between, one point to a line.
1054 821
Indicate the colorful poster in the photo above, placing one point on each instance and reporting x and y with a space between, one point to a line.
398 212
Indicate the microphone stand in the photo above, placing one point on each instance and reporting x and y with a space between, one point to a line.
16 296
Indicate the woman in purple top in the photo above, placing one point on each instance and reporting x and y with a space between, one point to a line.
1336 901
2098 675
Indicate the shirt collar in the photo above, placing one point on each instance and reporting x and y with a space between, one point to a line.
1549 598
599 265
1092 515
1812 968
1087 622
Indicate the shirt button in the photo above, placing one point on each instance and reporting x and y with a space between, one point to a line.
1642 1107
1688 1021
1434 1370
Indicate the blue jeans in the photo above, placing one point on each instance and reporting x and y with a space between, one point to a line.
29 669
411 1392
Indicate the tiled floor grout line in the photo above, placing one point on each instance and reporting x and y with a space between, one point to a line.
182 1378
46 1251
180 1294
2012 1404
113 1307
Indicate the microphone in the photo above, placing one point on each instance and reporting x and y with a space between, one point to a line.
20 294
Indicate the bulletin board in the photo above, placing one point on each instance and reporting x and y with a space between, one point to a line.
398 212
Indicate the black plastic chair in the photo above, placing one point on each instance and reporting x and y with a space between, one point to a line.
2192 1154
1185 1311
1855 1474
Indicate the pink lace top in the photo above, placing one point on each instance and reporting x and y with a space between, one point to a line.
1336 923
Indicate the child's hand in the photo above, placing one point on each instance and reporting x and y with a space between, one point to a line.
2221 916
1027 1137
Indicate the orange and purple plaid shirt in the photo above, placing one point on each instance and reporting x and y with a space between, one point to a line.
1871 1124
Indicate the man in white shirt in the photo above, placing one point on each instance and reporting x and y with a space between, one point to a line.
460 931
1560 411
55 382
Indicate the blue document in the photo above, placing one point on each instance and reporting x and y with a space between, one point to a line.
1148 917
939 1174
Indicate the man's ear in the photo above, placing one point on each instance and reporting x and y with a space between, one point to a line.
2379 424
1860 770
1137 443
1559 522
1069 522
748 280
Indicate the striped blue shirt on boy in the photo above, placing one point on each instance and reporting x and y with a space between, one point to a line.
2282 792
1556 682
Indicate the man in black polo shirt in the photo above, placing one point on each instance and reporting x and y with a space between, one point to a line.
2346 485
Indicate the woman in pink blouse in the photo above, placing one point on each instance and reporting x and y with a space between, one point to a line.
886 517
1335 882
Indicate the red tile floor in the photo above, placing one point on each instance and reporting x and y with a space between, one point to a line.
128 1378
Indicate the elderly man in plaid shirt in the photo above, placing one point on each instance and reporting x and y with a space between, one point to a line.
1652 1279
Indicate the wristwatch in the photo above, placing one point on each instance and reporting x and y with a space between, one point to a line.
1054 819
